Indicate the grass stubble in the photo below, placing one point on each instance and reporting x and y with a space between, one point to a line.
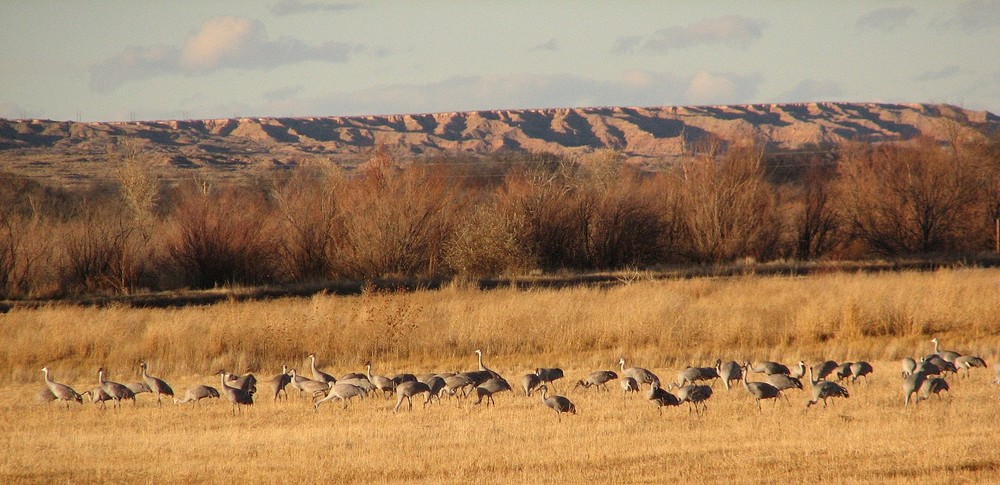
662 325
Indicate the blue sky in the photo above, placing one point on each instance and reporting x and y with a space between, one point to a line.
115 60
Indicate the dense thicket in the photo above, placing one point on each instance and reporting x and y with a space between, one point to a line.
502 216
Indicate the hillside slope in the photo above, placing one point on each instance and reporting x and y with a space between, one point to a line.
646 136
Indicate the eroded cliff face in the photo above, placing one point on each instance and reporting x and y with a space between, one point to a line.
643 135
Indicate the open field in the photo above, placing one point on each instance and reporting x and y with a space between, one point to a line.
662 325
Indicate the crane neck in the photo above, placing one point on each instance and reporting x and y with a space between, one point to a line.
368 366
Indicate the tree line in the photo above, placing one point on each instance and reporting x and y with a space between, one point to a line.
500 216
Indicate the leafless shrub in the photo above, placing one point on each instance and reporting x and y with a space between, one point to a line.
486 244
311 221
222 237
101 254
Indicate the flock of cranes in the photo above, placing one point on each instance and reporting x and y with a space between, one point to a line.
920 378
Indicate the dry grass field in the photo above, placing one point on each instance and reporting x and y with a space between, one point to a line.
661 325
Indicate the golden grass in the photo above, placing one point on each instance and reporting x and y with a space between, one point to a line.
663 325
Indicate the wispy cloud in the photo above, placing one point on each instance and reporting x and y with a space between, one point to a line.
943 73
295 7
732 30
221 43
975 15
886 19
465 93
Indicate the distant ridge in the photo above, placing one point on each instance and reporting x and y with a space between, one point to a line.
645 135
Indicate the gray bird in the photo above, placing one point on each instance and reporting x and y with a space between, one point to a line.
933 385
197 393
947 355
341 391
909 366
489 388
641 375
769 367
783 382
319 375
458 383
799 372
692 375
911 384
824 369
529 382
409 389
967 362
138 387
382 383
549 375
695 395
729 372
629 384
861 369
760 390
279 382
661 397
598 378
309 386
45 396
156 385
559 404
97 395
237 395
61 392
824 390
843 371
117 391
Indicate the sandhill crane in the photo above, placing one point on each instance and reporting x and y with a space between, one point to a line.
843 371
783 382
559 404
529 382
695 395
436 385
769 367
943 365
157 385
629 384
246 382
909 366
404 377
933 385
483 374
824 369
458 382
353 376
97 395
728 372
364 384
549 375
861 369
279 382
61 391
760 390
236 395
967 362
947 355
927 368
824 390
115 390
319 375
197 393
661 397
641 375
342 391
799 372
409 389
382 383
599 378
489 388
692 375
138 387
45 396
309 386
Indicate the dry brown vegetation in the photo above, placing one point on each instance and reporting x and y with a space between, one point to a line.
475 218
662 325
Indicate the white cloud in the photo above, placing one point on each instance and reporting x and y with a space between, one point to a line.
886 19
976 15
732 30
221 43
720 88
